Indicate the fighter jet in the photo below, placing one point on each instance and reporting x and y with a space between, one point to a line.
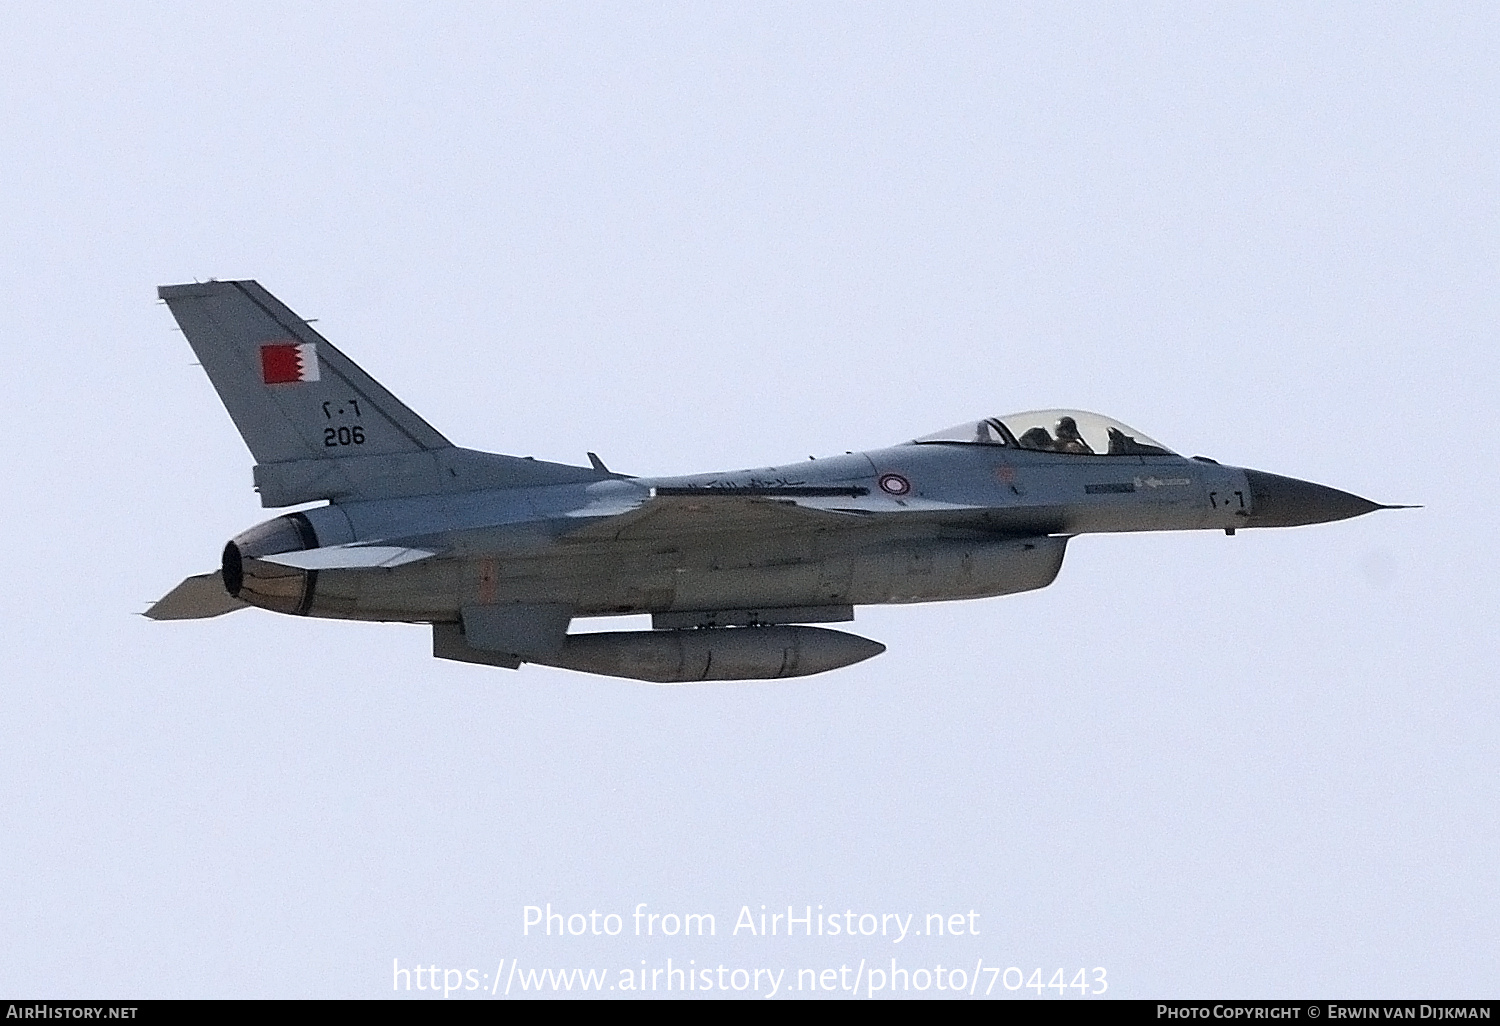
499 554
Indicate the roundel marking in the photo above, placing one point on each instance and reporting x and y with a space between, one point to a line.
895 484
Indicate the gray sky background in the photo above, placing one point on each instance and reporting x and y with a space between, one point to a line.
699 237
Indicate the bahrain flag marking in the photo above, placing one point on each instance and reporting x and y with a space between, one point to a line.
284 363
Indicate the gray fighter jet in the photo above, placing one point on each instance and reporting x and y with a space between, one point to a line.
500 553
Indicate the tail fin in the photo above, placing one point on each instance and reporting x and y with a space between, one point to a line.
292 395
317 425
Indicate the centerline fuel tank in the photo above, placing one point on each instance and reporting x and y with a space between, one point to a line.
684 656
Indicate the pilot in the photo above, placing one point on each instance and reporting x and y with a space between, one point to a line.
1069 439
1036 438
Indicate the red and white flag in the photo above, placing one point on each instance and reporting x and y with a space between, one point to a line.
284 363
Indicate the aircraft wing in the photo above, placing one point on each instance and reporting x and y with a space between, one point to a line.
673 516
196 598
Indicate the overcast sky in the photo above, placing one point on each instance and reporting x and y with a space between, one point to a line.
701 237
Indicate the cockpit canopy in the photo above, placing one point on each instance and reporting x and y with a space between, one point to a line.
1075 432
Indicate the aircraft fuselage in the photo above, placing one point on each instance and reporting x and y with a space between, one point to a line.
918 523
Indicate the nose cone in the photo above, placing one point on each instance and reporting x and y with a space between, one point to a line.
1278 501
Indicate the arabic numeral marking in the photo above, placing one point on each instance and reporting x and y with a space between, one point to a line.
1057 981
1080 982
1036 982
1100 980
1213 500
333 437
1006 978
329 411
1241 497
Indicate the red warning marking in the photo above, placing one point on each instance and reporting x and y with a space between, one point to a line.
895 484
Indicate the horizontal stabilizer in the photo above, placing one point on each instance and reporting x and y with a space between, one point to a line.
349 557
196 598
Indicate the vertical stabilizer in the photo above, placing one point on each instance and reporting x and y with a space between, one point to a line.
292 395
317 425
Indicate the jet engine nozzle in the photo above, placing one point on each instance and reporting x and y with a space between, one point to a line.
282 589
